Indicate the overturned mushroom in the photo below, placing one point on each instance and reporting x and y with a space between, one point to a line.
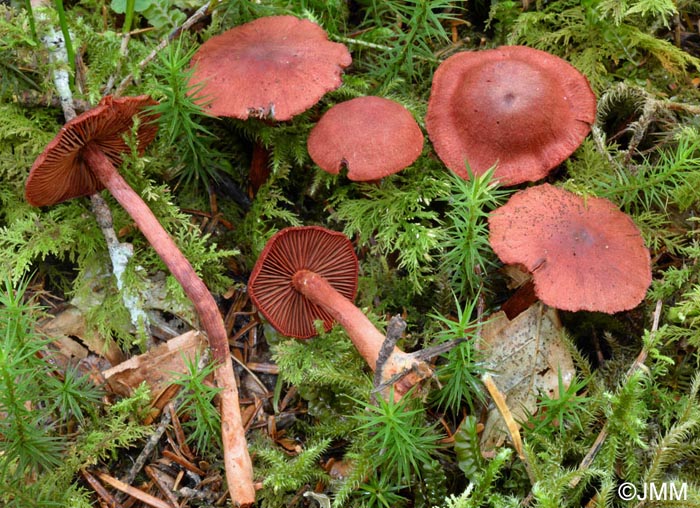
520 108
309 273
81 160
583 253
372 137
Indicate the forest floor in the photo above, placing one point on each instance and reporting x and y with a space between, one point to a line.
551 321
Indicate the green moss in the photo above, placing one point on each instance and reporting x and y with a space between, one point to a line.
421 238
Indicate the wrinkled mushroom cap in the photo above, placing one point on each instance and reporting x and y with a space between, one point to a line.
325 252
522 108
372 137
274 67
583 253
60 173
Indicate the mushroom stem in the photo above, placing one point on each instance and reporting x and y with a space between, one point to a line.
363 334
239 469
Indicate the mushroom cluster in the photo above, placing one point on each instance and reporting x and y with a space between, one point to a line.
519 110
522 112
277 66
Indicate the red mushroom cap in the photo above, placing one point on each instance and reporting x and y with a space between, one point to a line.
583 253
276 67
319 250
60 173
522 108
373 137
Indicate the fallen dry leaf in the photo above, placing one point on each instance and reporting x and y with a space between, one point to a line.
157 367
524 356
69 323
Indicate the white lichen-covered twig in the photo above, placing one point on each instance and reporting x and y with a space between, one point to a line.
119 253
58 56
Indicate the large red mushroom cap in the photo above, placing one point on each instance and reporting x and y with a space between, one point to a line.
274 67
583 253
60 172
522 108
372 137
312 248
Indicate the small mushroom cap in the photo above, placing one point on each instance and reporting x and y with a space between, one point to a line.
60 173
273 67
583 253
522 108
372 137
325 252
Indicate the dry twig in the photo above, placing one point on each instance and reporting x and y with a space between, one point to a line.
198 15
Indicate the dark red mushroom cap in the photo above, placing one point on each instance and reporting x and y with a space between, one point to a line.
522 108
60 173
583 253
274 67
372 137
327 253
